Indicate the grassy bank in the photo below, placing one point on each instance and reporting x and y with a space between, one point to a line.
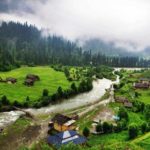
49 79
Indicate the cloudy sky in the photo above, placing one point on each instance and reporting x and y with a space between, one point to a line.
126 22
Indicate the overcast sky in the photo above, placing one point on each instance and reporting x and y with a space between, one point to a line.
126 22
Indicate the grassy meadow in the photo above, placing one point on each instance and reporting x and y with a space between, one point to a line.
49 79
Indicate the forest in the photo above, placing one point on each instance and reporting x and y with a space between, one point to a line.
23 44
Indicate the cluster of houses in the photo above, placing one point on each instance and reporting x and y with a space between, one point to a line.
65 131
29 80
144 83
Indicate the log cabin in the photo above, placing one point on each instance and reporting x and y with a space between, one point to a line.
63 123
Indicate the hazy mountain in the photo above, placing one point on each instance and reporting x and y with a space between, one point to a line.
107 48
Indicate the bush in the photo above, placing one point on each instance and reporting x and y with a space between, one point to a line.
17 104
122 113
25 104
27 98
4 100
45 92
107 127
74 88
133 131
60 92
86 132
99 128
144 127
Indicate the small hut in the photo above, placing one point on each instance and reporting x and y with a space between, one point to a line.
141 85
128 104
63 123
11 80
29 82
145 80
33 77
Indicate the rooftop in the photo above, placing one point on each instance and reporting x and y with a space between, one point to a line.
66 137
61 119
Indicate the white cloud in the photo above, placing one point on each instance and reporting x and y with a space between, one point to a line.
124 21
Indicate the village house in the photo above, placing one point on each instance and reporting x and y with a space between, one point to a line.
33 77
63 123
11 80
145 80
66 137
141 85
124 101
30 79
128 104
144 83
121 99
29 82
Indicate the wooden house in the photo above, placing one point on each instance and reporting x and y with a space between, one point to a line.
63 123
29 82
11 80
145 80
141 85
124 101
33 77
128 104
121 99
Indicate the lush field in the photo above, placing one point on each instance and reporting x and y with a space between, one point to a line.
145 96
49 79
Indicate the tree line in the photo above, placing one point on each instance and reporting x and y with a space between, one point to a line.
23 44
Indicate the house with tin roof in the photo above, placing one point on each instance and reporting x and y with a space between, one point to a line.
66 137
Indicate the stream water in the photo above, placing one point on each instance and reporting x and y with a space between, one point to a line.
99 89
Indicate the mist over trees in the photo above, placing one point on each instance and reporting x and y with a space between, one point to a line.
22 44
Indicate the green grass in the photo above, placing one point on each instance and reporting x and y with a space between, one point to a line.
145 143
49 79
108 138
145 96
137 118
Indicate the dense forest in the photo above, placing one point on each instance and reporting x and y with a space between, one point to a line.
23 44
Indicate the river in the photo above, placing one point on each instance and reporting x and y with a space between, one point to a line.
99 89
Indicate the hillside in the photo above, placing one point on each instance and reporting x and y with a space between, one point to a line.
23 44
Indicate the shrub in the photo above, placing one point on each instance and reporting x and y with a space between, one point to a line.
144 127
27 98
74 88
17 104
86 132
133 131
45 92
4 100
122 113
107 127
99 128
60 92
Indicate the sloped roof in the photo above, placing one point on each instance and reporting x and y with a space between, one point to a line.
61 119
128 104
145 79
66 134
66 137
